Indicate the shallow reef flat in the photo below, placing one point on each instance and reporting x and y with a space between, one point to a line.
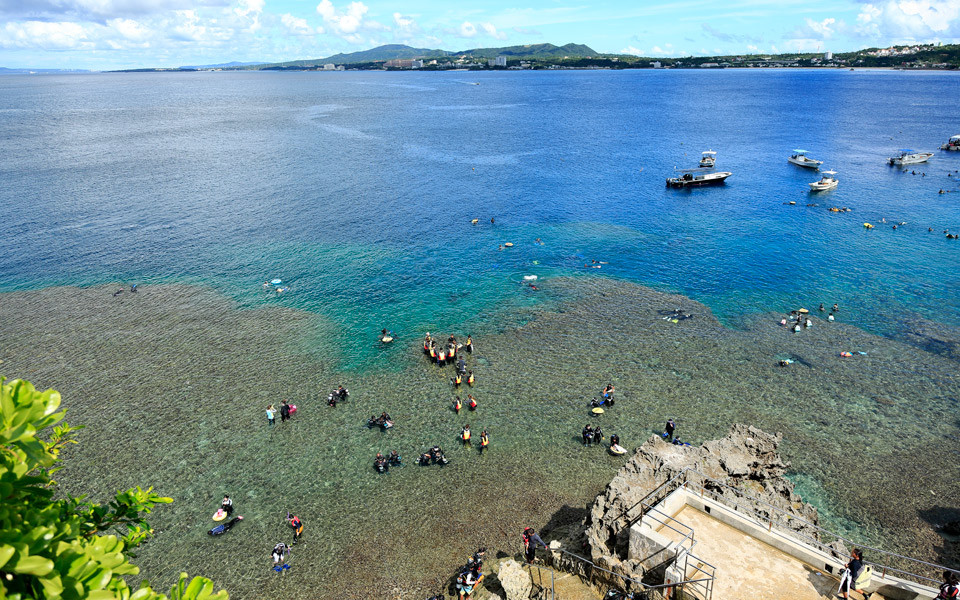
172 383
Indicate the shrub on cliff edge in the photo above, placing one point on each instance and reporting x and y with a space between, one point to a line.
63 548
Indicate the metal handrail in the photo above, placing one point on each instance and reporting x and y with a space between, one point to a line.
685 536
642 585
630 523
884 568
816 542
645 587
553 592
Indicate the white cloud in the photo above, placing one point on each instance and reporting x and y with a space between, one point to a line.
350 22
469 30
97 10
131 30
910 19
405 27
633 50
45 35
297 26
490 30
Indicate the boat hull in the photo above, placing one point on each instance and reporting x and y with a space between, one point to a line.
807 164
911 159
950 147
822 187
698 181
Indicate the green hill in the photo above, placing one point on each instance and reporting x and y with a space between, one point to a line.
400 51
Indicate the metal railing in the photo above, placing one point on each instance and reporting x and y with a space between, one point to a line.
904 567
653 592
553 591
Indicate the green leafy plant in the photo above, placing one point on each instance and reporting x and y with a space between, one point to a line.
66 548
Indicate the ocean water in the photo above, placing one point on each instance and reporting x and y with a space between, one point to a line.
358 190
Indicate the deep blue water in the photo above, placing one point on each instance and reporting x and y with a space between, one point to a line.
358 188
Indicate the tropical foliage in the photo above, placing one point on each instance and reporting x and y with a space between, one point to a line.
55 547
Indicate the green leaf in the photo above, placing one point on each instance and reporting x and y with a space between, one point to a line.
6 552
33 565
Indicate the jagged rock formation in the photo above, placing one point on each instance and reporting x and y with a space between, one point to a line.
514 580
746 459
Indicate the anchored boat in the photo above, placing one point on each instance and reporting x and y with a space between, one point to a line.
827 182
800 159
910 157
697 177
952 144
708 159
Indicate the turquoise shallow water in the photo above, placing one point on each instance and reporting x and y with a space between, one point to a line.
358 189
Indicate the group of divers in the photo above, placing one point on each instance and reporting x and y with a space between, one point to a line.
450 352
281 550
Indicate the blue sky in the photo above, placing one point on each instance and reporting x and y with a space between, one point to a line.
110 34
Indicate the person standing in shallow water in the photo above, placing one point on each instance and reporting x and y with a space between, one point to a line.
669 429
271 415
284 411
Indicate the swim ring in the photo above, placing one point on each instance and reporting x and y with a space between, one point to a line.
220 515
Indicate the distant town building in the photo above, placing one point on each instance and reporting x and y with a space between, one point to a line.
656 64
709 65
828 55
329 67
403 63
501 61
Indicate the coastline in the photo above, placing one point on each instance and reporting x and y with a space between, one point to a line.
175 377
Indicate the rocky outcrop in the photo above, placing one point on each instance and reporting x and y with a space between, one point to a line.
746 459
515 580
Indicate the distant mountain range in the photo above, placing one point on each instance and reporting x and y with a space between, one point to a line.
400 51
227 65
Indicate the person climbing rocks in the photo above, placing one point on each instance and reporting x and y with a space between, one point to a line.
668 429
530 542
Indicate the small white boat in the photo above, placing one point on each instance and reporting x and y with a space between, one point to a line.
910 157
827 182
708 159
800 159
952 144
696 178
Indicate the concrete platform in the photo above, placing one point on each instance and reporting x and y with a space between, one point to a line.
748 569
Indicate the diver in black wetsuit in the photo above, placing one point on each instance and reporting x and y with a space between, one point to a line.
224 527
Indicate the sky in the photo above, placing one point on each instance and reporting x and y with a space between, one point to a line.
117 34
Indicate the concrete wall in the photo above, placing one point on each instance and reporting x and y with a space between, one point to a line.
643 538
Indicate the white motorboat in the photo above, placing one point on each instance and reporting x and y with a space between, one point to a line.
827 182
709 159
697 177
910 157
800 159
952 144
